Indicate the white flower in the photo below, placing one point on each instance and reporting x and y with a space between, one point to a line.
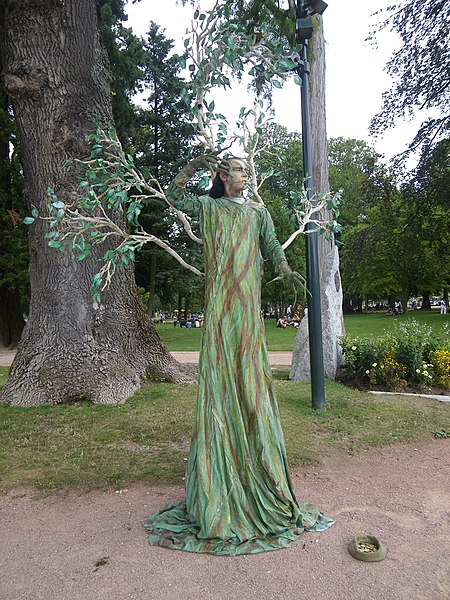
425 373
417 370
353 347
374 364
367 372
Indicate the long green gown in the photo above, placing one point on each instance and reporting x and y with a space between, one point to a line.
239 497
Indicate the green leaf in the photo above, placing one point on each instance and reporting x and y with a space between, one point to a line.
277 83
109 255
28 220
84 254
285 64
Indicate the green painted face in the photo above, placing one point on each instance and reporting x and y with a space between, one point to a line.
235 180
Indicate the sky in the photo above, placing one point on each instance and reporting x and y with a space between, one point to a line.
355 76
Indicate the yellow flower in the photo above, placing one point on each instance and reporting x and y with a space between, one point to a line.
374 364
353 347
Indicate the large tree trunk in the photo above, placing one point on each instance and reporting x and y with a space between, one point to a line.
56 73
330 279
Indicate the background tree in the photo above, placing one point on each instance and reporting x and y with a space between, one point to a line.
357 169
163 141
57 76
126 56
14 277
427 198
395 238
13 236
419 69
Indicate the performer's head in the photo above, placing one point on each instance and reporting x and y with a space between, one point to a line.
231 178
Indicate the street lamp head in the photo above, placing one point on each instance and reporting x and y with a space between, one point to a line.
303 23
317 7
303 29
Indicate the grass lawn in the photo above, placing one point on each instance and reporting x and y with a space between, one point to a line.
188 340
282 340
147 439
374 324
87 447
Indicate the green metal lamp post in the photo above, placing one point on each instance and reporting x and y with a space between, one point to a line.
304 31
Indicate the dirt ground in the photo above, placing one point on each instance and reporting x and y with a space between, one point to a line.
93 547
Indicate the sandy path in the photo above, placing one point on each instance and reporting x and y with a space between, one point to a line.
275 358
93 547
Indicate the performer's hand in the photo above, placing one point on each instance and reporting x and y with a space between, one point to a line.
292 276
208 161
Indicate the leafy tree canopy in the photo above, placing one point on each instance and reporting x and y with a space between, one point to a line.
397 244
419 69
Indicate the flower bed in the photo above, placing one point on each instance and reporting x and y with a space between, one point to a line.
409 357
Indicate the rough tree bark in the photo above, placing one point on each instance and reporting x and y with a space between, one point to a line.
55 71
330 279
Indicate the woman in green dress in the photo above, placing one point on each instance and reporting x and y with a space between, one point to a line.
239 497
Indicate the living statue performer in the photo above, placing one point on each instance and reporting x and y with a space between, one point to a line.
239 496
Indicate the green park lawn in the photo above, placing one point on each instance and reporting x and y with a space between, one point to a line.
282 340
85 447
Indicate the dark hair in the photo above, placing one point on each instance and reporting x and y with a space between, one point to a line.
218 189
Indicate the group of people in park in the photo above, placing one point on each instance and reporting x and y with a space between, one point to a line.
292 318
396 310
190 321
180 319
